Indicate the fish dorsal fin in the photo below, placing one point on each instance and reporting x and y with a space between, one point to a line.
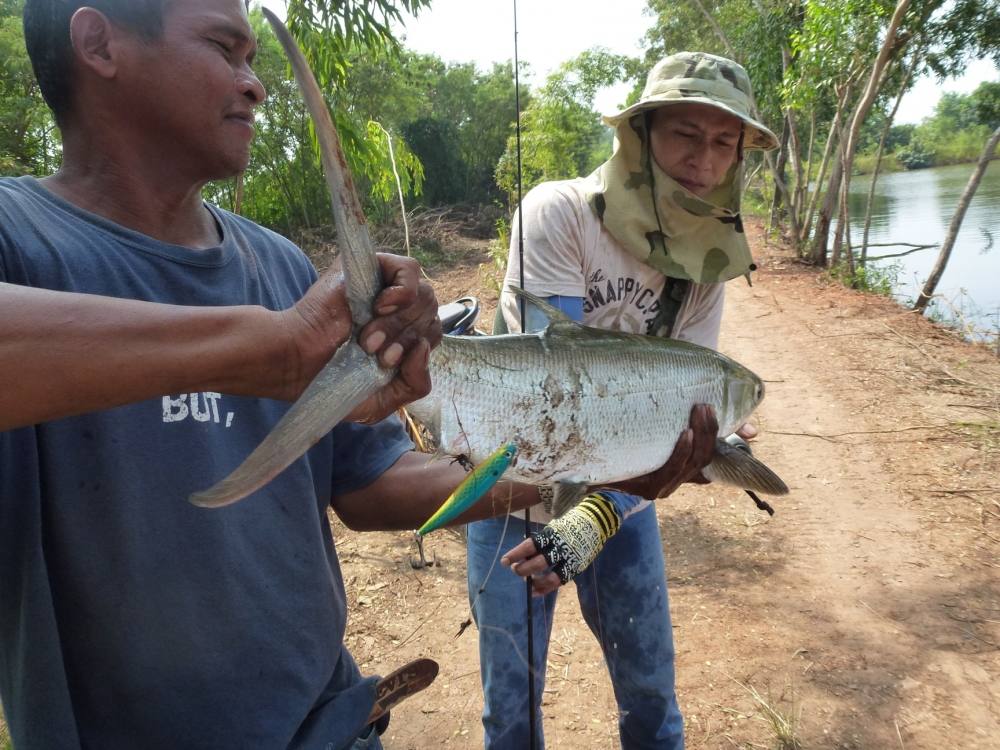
557 318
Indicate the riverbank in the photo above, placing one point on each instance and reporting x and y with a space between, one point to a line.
865 613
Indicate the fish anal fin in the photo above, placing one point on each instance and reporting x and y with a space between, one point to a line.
566 493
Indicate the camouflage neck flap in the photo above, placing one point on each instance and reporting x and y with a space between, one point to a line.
663 224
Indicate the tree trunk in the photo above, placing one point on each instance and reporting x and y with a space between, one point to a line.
803 186
878 160
879 68
795 157
956 223
779 168
818 254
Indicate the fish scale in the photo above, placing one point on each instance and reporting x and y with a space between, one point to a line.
581 404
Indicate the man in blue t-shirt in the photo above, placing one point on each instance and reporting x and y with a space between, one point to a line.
148 341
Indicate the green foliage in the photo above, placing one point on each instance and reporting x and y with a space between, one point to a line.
876 278
28 143
965 30
915 155
835 38
865 163
398 162
454 118
758 192
955 111
561 134
491 274
331 30
899 135
986 103
954 134
433 141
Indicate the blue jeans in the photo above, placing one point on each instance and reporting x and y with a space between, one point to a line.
371 742
623 597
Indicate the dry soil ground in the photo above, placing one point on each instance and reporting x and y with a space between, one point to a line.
864 614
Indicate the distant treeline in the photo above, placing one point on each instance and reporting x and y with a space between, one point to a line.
954 134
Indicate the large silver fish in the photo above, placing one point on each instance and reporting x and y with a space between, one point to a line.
586 406
583 405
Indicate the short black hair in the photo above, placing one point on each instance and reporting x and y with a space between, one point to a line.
46 37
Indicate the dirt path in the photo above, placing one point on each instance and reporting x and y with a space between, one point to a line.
866 612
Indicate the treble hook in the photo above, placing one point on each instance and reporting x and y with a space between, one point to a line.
422 562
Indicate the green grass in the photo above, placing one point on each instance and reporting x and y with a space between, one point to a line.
429 252
865 164
875 278
783 720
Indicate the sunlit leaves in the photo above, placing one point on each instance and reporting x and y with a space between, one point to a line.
561 134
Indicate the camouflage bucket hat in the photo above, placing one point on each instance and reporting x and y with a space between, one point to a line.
698 77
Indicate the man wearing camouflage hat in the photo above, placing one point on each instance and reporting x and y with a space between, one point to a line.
642 245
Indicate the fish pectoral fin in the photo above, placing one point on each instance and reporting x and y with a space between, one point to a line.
348 379
566 493
554 314
736 466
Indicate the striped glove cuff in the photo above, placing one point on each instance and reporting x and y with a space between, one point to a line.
571 542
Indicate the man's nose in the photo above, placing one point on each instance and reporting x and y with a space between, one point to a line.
700 155
251 87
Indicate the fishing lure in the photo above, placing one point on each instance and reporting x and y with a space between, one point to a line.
473 487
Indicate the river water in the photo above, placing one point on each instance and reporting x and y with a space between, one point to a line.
917 207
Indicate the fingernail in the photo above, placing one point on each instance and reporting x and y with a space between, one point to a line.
388 309
392 355
374 342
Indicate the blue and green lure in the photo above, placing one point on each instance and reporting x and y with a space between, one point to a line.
473 487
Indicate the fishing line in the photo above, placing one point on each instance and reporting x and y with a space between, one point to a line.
489 572
521 306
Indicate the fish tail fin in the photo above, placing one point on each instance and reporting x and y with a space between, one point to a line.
361 269
348 378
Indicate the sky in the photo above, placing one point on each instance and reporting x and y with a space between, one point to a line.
551 32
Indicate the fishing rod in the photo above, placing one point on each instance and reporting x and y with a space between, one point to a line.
532 744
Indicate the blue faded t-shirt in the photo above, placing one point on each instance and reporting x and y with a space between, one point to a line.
128 617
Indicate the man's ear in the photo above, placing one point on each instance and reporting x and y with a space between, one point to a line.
93 37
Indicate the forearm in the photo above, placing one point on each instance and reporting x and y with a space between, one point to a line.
63 354
409 492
